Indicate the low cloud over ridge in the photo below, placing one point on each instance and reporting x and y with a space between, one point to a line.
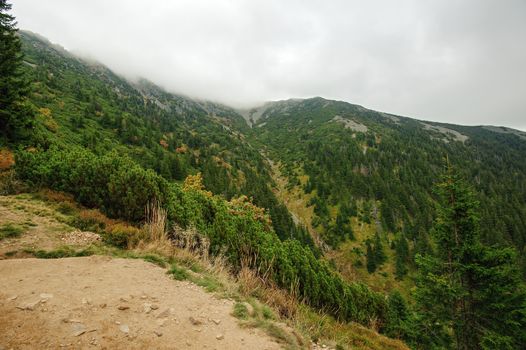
450 61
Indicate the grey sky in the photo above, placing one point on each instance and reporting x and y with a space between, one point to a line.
458 61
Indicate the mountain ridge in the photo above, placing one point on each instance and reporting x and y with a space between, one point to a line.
257 109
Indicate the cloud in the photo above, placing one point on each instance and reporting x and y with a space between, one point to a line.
451 61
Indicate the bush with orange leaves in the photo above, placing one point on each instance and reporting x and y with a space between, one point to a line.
7 160
243 205
195 182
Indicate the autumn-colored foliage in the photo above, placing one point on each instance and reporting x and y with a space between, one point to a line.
7 160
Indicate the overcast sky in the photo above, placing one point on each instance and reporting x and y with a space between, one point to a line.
458 61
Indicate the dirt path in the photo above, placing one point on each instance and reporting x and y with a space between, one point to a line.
100 302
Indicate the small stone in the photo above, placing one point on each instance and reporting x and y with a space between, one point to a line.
72 320
117 322
12 298
158 333
147 307
161 322
123 307
220 337
194 321
154 307
46 296
217 322
103 305
124 328
29 306
78 329
164 313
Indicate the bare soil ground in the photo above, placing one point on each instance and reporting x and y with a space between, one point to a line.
44 228
101 302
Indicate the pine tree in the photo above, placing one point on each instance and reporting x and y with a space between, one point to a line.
16 116
469 296
402 256
379 252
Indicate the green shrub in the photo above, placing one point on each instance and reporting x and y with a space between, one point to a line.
89 220
66 208
236 229
63 252
122 236
240 311
178 273
267 313
10 231
155 259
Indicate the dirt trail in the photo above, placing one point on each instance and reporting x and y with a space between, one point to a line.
101 302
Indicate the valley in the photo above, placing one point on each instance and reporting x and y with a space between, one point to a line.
312 221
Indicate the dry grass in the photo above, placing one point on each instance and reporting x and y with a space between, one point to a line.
95 217
189 249
323 329
55 196
256 284
9 183
155 224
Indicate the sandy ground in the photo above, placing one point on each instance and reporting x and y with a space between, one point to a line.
101 302
44 228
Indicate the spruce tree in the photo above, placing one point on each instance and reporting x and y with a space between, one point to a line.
469 296
379 252
16 116
402 256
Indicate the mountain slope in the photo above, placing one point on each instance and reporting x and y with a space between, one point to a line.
365 172
360 170
84 103
360 181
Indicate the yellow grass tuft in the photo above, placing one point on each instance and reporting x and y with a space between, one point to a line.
155 225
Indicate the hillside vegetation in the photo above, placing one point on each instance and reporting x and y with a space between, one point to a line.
377 198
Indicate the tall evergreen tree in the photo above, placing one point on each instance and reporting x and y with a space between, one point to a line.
469 296
16 116
402 256
370 258
379 252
